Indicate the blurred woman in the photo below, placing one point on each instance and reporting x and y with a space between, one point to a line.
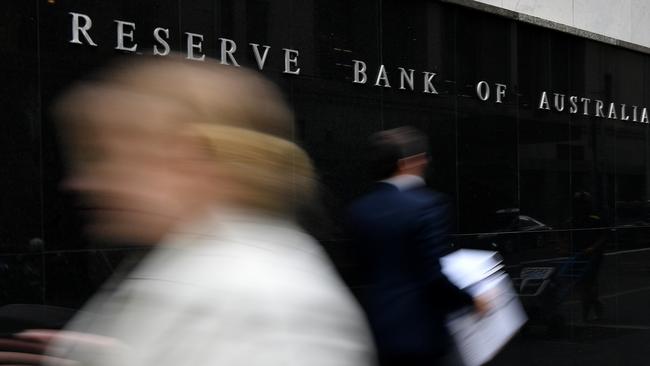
197 159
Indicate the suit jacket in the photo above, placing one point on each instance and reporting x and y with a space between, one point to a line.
239 290
400 237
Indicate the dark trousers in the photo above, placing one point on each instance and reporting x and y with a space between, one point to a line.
451 358
409 360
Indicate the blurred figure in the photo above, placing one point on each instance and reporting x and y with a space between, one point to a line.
196 159
400 229
589 246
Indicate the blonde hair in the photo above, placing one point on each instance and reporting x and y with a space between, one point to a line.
240 117
269 173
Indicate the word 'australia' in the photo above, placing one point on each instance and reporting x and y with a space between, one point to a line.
406 77
82 24
575 104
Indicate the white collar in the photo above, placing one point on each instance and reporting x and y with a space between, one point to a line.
226 221
405 182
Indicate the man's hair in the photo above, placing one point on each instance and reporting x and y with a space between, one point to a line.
386 148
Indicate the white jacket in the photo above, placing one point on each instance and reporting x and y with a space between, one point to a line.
242 290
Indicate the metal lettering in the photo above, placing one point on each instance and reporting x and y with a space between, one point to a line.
599 108
121 34
574 105
585 105
161 40
611 114
483 90
228 48
191 46
382 76
558 102
360 76
291 60
501 92
260 59
428 82
543 102
644 115
78 29
624 116
408 77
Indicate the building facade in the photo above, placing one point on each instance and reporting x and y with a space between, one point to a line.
521 116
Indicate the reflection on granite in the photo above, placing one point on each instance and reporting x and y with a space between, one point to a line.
510 168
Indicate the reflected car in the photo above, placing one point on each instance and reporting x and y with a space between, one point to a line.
516 236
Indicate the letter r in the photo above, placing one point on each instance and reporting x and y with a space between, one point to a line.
78 29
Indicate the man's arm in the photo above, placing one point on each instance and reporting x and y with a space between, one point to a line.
433 224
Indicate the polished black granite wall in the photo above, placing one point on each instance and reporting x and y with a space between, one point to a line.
493 159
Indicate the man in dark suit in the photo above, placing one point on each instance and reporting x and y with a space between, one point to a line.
400 230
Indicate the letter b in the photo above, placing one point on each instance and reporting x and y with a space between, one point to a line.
360 76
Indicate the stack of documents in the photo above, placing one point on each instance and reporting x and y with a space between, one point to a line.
480 273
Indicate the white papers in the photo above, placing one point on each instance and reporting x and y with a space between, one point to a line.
480 273
466 267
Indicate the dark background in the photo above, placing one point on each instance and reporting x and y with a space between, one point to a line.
511 169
